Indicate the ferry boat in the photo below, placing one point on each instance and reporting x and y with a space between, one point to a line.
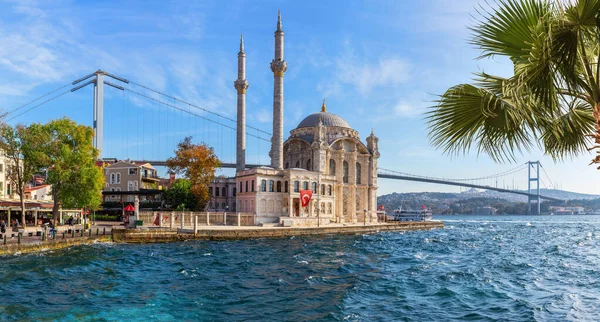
410 215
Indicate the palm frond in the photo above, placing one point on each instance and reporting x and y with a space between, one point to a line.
567 135
467 115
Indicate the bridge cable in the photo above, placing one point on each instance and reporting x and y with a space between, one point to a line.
35 100
547 177
189 112
38 105
195 106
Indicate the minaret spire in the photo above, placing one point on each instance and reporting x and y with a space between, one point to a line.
241 85
279 20
278 66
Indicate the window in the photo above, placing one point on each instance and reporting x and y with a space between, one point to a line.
252 186
285 185
224 192
133 171
223 206
305 185
1 167
129 185
329 192
118 178
233 209
345 172
234 194
241 186
112 189
217 191
287 165
278 186
263 185
308 165
323 189
112 178
314 187
296 186
297 164
135 186
247 186
331 167
271 186
357 173
210 191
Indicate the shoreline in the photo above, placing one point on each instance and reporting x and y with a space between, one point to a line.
146 235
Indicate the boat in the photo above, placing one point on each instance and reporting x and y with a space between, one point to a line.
410 215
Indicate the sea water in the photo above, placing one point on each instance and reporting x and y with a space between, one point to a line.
516 268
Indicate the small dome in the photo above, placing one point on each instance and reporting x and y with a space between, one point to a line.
326 118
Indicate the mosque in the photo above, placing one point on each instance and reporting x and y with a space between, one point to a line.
322 156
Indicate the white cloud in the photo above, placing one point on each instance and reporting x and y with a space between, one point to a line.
366 77
263 116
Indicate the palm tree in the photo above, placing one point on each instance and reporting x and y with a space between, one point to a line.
553 99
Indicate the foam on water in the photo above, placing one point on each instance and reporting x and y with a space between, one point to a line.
507 270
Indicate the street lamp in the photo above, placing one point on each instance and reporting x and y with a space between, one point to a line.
365 217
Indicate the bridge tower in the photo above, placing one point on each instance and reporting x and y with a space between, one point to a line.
535 165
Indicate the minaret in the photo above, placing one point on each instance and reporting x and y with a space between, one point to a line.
278 66
241 85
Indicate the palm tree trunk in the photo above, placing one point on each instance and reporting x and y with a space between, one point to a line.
596 136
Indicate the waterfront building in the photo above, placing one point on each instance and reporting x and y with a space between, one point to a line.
560 210
42 193
222 195
125 180
323 154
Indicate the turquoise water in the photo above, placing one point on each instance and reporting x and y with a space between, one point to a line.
477 268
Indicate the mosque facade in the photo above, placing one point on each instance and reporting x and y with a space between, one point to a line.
323 156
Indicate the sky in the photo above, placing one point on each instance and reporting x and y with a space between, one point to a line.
378 64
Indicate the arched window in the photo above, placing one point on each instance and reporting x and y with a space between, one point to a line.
271 183
297 164
285 185
305 185
241 186
263 185
118 180
234 192
287 165
216 191
296 186
112 178
323 189
314 187
345 172
278 186
210 191
358 173
224 192
331 167
329 190
223 206
233 207
252 186
247 186
308 165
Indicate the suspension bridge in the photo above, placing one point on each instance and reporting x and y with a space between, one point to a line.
150 123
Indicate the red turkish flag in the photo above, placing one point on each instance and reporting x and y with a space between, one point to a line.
305 196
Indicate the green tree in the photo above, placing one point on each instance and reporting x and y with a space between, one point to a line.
553 98
65 149
14 144
197 163
180 195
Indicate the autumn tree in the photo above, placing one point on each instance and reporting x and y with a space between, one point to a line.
65 149
197 163
14 144
180 195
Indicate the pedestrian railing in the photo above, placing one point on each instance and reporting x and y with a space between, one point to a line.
180 219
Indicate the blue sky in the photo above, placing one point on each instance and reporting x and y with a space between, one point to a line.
379 64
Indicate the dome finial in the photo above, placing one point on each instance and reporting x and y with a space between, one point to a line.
323 107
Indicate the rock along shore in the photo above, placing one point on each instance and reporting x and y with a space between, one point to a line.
158 235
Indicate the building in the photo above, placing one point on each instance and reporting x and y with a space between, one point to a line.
222 195
42 192
566 210
323 155
124 180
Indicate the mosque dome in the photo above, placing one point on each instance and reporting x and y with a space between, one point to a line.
327 119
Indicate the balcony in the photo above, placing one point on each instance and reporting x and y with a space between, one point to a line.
150 177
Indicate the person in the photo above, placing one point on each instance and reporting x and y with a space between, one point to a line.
2 226
70 221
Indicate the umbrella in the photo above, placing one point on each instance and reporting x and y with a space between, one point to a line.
129 208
